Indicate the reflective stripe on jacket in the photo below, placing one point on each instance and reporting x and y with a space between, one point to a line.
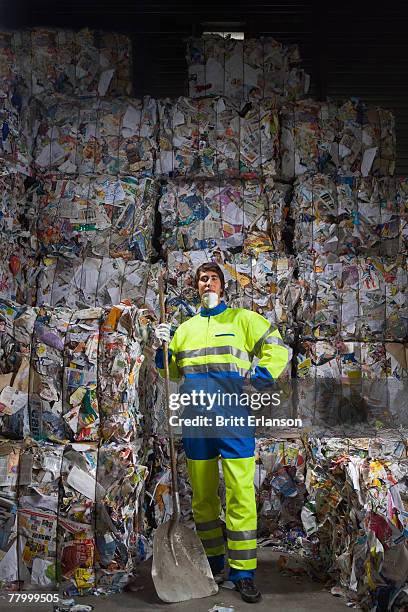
222 342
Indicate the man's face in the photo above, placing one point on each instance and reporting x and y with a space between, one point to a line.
209 281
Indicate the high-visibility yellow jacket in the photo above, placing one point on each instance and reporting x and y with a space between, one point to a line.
222 342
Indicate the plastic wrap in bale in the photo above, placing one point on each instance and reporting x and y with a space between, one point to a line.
96 136
244 69
98 216
217 137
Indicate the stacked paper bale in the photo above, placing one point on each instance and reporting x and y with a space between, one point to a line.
219 154
209 137
57 364
70 379
353 319
329 137
95 195
97 281
244 69
34 63
93 155
70 373
86 62
69 510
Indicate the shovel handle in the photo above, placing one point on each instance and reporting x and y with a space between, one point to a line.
173 460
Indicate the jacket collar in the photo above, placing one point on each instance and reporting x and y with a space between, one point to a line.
211 312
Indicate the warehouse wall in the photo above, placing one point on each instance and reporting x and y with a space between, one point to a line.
348 48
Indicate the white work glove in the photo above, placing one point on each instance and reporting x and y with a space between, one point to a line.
161 334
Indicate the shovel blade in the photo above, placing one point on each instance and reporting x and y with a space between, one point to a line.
191 577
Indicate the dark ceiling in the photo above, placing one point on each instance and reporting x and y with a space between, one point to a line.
348 48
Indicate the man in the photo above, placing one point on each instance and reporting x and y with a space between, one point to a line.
213 351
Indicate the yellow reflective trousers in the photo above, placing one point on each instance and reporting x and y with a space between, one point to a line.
240 508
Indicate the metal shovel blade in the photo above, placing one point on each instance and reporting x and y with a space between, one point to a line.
191 578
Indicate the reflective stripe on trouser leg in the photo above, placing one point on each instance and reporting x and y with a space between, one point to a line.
204 478
241 512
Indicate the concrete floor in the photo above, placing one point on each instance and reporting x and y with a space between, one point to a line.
280 592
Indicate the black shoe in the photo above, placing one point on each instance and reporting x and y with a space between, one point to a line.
248 590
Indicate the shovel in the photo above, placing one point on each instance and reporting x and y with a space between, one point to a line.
180 569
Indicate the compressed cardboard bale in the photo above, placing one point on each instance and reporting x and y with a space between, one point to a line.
100 216
244 69
94 136
214 137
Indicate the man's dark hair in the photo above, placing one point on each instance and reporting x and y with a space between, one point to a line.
209 266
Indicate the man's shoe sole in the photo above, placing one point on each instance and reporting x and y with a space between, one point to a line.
249 598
